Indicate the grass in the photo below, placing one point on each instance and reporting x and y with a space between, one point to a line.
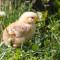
44 45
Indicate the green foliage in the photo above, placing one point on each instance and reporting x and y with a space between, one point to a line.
44 45
58 2
35 47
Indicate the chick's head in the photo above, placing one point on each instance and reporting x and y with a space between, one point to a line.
28 17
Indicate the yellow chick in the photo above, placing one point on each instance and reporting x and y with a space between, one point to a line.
21 30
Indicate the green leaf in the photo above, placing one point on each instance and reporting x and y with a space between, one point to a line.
47 42
37 25
44 15
58 2
59 10
11 58
39 14
35 47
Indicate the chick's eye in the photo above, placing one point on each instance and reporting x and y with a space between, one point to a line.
32 17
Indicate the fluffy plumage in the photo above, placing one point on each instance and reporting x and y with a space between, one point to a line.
21 30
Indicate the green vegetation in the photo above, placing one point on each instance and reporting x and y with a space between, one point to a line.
45 44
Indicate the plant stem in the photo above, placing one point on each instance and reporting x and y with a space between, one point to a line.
44 23
6 28
12 50
2 32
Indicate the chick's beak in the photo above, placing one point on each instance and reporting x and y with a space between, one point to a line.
37 20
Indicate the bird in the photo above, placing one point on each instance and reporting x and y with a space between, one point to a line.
20 31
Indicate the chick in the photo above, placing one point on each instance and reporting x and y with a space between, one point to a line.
21 30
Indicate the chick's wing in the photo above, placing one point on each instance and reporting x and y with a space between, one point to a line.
18 31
